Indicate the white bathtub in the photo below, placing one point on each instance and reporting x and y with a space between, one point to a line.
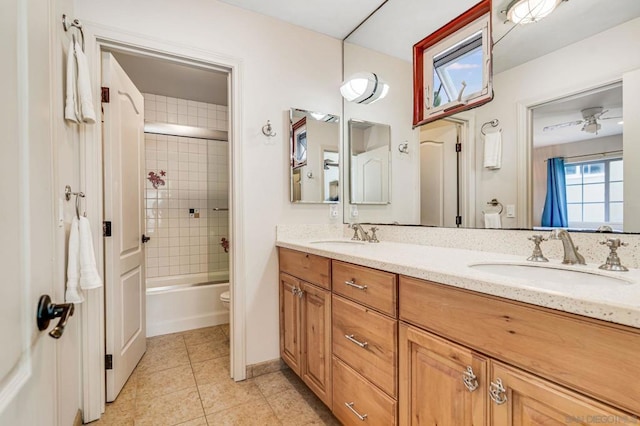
185 302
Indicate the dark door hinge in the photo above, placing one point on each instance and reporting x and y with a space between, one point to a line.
458 147
105 95
106 228
458 220
108 362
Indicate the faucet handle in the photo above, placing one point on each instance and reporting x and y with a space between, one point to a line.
355 237
374 237
537 255
613 261
613 243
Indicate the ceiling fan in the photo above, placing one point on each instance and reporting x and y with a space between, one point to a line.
590 117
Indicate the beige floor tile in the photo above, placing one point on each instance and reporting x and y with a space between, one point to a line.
211 370
278 382
118 413
254 413
208 350
165 341
170 409
297 408
196 422
227 394
157 383
225 329
157 359
203 335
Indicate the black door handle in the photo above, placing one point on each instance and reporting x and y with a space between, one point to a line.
145 239
48 311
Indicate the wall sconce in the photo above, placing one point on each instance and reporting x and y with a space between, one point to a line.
528 11
364 88
267 130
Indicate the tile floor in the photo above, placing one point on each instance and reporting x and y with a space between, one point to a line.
183 379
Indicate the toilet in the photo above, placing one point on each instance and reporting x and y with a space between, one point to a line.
225 298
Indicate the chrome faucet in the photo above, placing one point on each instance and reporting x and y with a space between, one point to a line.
571 255
364 235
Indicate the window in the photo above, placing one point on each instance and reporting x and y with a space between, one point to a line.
594 192
452 66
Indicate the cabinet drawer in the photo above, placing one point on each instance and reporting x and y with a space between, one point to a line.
308 267
364 398
367 342
583 354
376 289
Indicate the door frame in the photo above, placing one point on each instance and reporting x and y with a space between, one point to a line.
99 38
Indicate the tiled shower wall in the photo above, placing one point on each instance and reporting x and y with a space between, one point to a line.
196 177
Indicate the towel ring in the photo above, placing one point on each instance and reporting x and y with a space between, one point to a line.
494 202
75 23
494 123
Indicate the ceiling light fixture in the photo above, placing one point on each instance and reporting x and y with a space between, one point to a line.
528 11
364 88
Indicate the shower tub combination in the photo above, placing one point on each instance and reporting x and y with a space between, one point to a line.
184 302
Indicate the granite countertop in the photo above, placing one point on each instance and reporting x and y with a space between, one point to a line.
617 303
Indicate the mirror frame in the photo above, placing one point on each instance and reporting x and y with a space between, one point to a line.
478 11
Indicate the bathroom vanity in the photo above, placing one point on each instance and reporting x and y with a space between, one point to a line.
379 338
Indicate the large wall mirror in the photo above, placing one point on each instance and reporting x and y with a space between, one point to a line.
565 88
314 147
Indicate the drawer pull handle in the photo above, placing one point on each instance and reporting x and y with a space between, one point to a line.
497 392
353 284
349 405
469 379
352 339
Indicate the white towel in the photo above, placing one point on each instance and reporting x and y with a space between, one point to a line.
72 295
89 277
492 221
79 102
493 150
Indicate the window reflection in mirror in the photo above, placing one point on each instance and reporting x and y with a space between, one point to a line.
314 162
453 66
370 162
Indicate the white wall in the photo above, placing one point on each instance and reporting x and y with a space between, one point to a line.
592 62
284 66
395 110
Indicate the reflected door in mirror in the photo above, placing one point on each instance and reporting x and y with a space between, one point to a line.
369 147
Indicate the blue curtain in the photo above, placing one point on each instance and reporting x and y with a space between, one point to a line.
555 206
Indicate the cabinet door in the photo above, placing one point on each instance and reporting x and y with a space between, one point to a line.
432 381
290 322
315 312
523 399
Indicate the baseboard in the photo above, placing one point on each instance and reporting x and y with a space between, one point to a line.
188 323
266 367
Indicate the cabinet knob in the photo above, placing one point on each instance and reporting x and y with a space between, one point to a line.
497 392
469 379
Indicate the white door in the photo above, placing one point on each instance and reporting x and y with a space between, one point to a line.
439 175
372 169
28 356
123 206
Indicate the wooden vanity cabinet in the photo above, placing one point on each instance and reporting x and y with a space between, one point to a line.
563 368
305 319
441 383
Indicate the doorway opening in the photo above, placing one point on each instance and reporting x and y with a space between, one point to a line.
188 200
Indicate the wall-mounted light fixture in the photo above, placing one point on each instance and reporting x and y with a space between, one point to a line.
364 88
528 11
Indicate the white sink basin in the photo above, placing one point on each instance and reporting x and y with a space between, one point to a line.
550 273
338 241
